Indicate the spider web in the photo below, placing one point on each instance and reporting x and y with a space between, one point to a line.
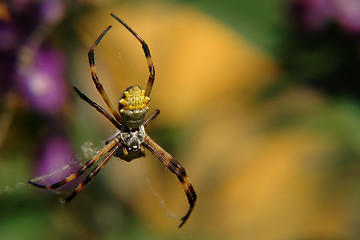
88 149
170 214
19 185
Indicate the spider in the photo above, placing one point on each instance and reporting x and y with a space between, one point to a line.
130 140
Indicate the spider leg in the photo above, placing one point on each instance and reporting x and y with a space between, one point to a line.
151 117
92 174
87 165
175 168
98 108
145 47
95 78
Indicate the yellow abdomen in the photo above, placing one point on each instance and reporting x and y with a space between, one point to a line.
134 99
133 107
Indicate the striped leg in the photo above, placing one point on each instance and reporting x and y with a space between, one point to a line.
98 108
87 165
147 55
95 78
175 168
92 174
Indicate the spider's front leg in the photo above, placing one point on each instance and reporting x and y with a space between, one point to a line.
175 167
146 50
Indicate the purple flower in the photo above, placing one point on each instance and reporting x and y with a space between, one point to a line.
48 11
348 15
315 15
8 37
43 84
8 45
52 11
312 14
55 161
20 29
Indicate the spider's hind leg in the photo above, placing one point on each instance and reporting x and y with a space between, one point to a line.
92 174
82 170
178 170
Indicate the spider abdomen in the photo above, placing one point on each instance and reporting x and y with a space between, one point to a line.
133 118
134 99
133 106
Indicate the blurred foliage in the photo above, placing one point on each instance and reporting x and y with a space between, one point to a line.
261 109
260 21
327 61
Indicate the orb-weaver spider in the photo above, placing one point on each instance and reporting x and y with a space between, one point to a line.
130 140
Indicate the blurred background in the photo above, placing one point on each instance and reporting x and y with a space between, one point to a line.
259 102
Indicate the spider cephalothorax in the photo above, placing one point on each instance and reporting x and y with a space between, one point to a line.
130 140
